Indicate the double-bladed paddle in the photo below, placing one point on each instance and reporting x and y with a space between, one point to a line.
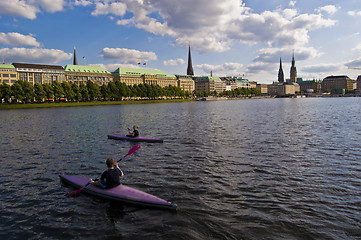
76 193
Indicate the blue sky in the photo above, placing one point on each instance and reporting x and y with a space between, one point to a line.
229 37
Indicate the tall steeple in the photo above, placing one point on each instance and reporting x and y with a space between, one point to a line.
75 62
281 76
190 67
293 71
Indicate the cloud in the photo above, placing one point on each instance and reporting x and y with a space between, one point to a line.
354 13
212 25
127 55
354 63
114 8
30 8
18 8
322 68
83 3
329 9
273 55
17 39
223 69
292 3
174 62
34 55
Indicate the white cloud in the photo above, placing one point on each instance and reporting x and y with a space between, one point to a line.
127 55
17 39
223 69
322 68
114 8
34 55
212 25
354 63
354 13
83 3
273 55
174 62
50 5
18 8
292 3
357 48
329 9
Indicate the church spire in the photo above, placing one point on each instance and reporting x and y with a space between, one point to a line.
293 71
281 77
190 67
75 62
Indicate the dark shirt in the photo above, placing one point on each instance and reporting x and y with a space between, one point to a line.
112 177
136 133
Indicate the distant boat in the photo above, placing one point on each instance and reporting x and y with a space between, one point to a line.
134 139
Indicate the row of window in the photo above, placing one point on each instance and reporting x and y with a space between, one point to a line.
6 75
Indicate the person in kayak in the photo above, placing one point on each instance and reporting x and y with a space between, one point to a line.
135 132
111 177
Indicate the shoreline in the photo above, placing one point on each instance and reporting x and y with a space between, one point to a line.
82 104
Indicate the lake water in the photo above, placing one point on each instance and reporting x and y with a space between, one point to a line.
237 169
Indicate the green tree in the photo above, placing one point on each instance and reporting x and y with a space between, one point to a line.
93 90
105 92
84 92
39 91
49 92
58 90
68 91
76 91
17 91
5 92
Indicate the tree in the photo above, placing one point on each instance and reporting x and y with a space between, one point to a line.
39 91
76 91
93 90
49 92
58 90
68 91
84 92
17 91
5 92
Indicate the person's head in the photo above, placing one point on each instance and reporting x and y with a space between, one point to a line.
134 127
109 162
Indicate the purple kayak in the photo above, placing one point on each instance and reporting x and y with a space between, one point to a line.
120 193
134 139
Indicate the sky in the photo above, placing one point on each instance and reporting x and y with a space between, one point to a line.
244 38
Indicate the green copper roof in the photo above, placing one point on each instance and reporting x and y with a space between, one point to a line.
85 69
141 71
208 78
7 66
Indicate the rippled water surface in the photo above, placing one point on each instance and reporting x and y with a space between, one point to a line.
243 169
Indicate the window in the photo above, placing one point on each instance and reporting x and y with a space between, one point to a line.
13 75
6 75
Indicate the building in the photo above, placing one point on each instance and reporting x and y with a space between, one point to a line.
209 84
131 76
8 74
293 71
81 74
337 84
358 82
185 82
283 89
281 76
262 88
310 86
36 73
190 71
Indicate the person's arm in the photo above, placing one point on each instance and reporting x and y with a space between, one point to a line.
120 170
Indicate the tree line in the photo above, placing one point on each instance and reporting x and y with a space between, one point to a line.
25 92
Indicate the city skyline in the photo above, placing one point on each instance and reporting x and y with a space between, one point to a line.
231 37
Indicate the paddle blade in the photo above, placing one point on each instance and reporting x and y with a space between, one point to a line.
74 193
132 150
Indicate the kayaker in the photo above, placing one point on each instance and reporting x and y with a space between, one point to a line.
111 177
135 132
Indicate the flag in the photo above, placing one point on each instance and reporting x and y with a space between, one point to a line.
144 63
83 57
138 63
